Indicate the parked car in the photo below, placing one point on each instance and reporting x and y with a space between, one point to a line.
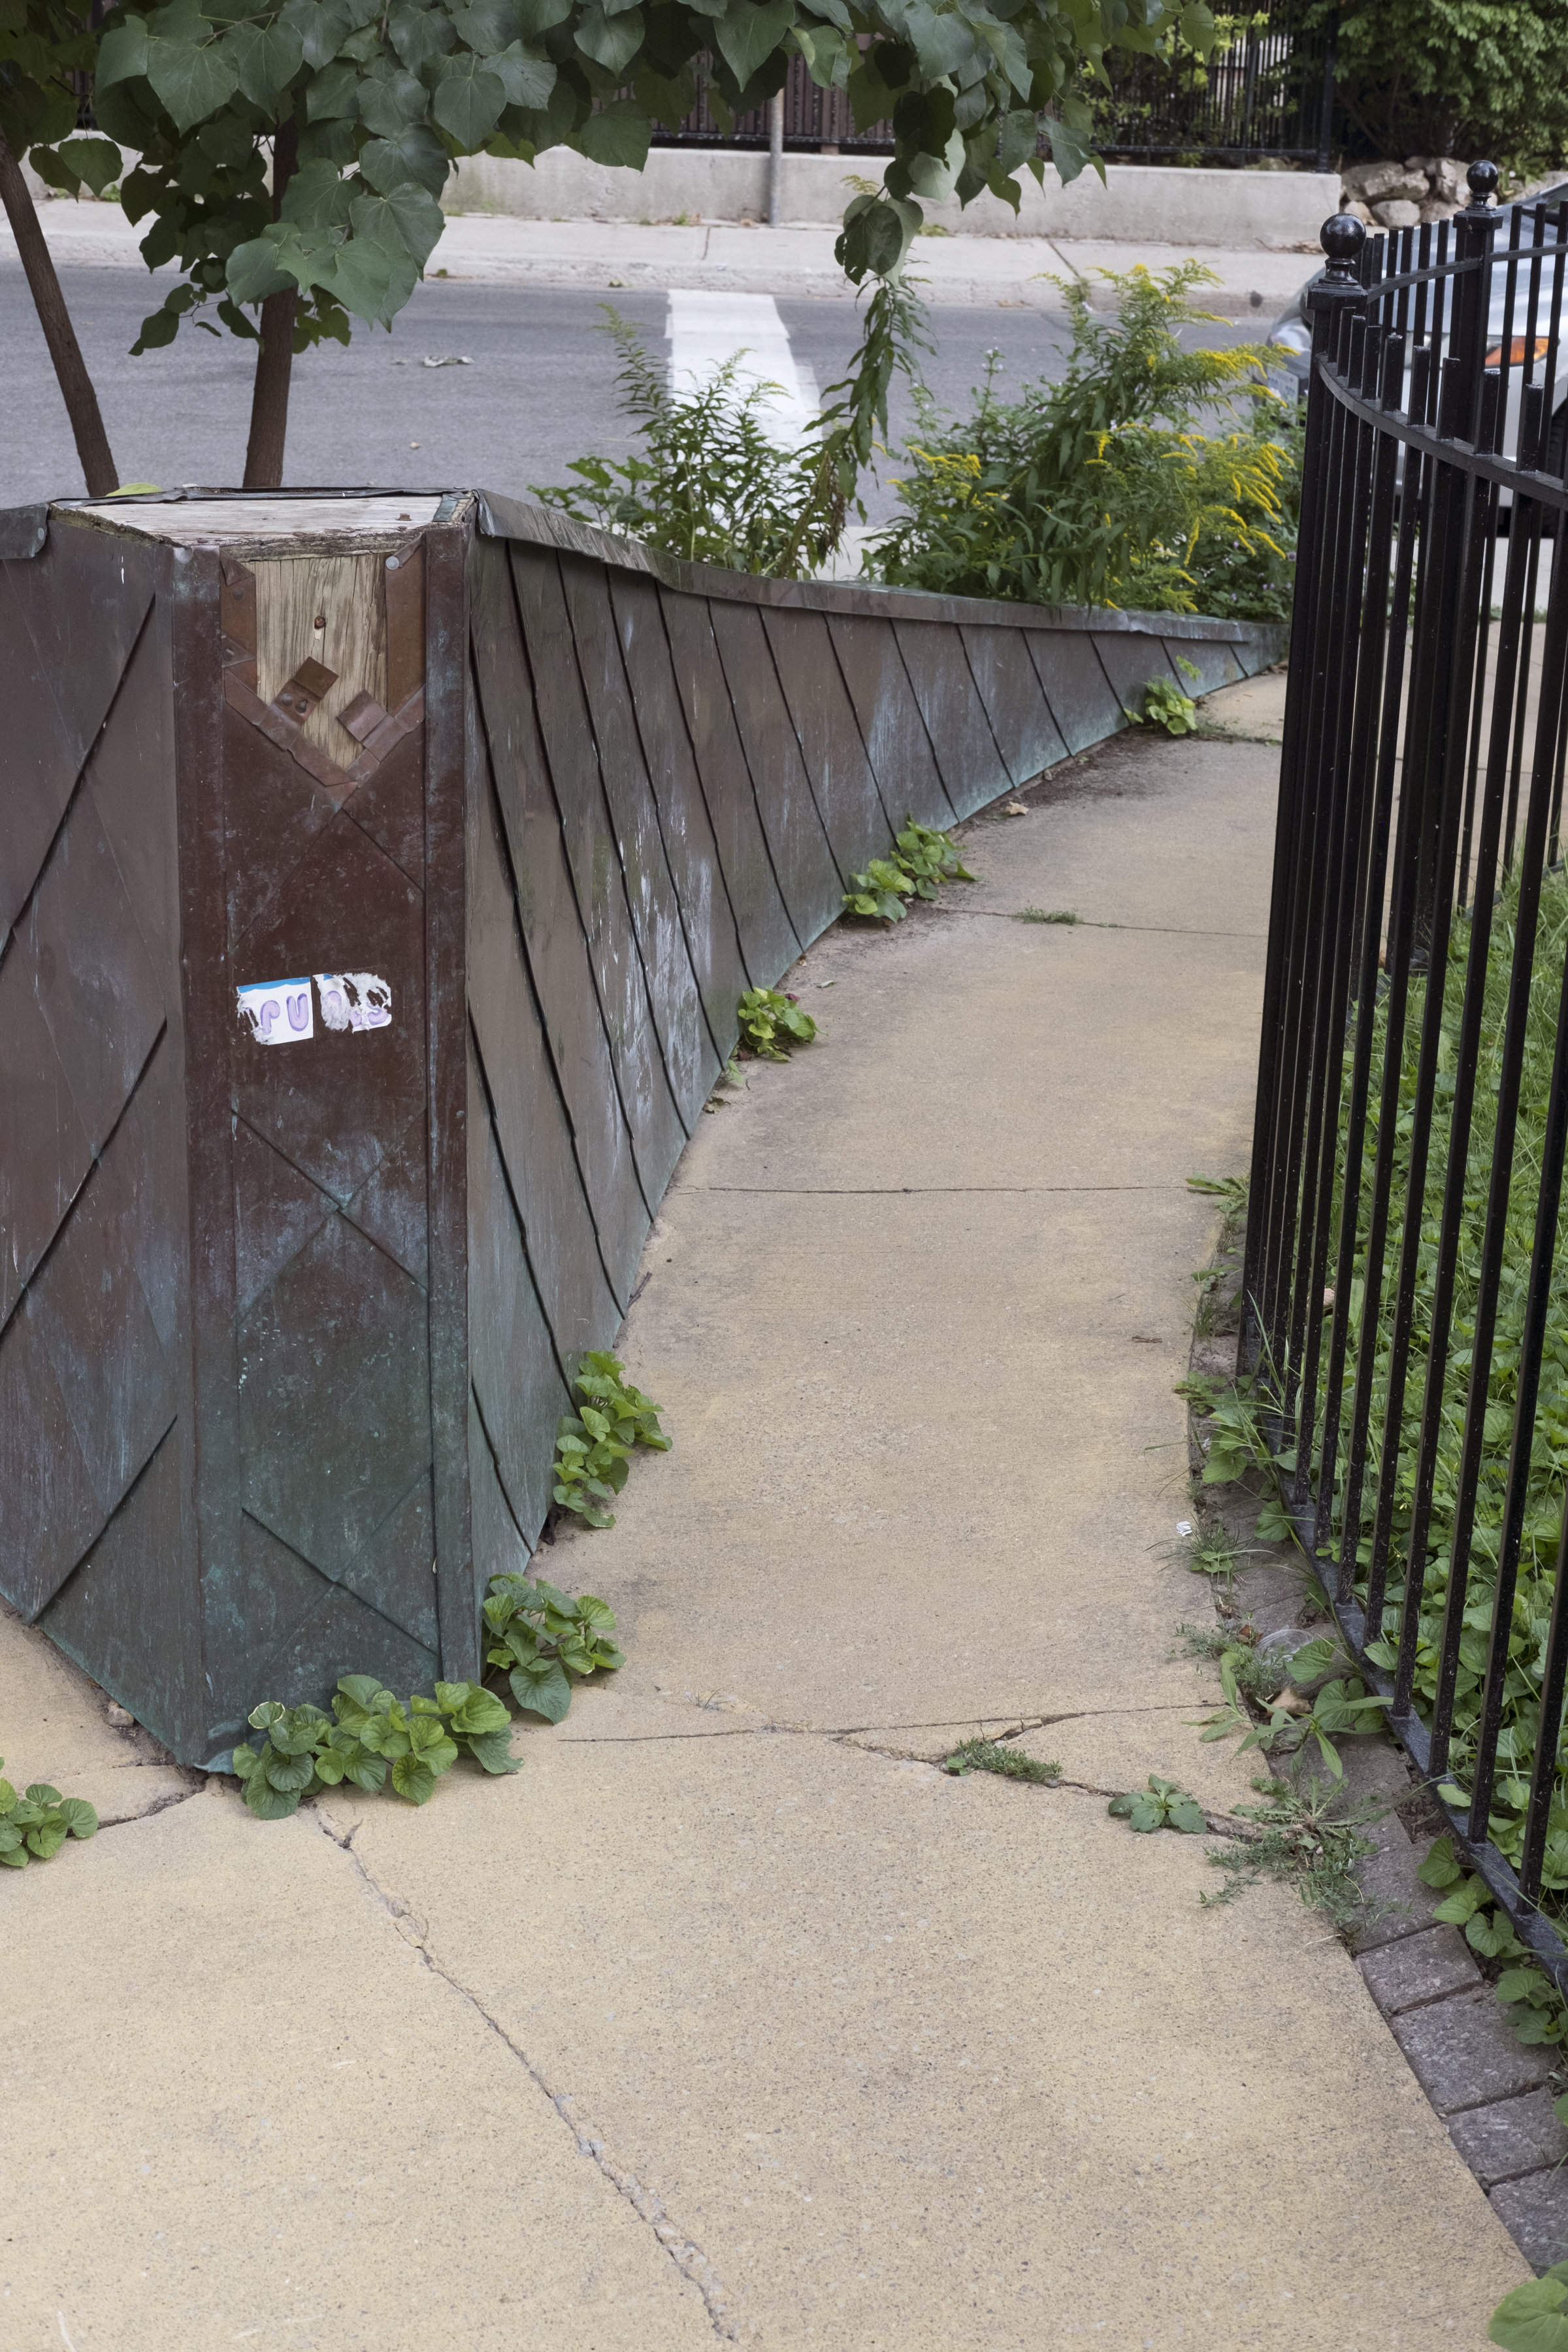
1290 344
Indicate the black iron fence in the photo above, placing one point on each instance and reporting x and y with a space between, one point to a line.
1406 1301
1266 90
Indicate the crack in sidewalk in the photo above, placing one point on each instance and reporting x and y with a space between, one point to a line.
683 2251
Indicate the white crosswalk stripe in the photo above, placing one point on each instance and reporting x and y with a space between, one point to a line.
704 330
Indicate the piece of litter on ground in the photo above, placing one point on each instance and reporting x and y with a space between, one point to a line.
1015 808
828 983
1183 1526
447 359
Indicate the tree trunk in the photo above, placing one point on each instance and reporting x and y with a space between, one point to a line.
70 368
275 359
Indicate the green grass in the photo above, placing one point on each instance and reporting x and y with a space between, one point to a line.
986 1756
1549 1453
1046 915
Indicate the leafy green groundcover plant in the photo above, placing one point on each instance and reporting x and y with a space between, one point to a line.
538 1637
921 860
767 1014
35 1824
594 1446
1165 705
374 1735
1548 1448
1102 488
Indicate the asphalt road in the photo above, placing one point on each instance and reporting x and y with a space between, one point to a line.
540 389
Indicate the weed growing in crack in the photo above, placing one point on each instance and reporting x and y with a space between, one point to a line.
1303 1696
1159 1806
921 860
1307 1836
1011 1763
1046 915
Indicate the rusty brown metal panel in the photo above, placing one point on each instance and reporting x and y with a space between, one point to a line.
1131 662
38 1184
972 768
519 1094
891 727
708 919
69 620
1026 734
390 806
49 1511
565 727
335 1102
451 730
857 822
271 821
91 1314
769 942
550 926
96 985
808 879
688 1051
1073 681
126 1616
518 1388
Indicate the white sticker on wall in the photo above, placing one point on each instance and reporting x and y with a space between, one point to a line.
280 1011
355 999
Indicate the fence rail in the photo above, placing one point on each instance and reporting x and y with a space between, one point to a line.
1269 94
1406 1303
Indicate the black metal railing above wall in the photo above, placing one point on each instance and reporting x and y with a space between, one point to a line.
1268 93
1406 1302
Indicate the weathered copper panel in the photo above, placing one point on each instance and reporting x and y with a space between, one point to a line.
566 730
521 1100
843 783
1131 662
637 841
891 727
518 1388
769 942
1073 682
552 926
806 878
972 770
702 900
1021 722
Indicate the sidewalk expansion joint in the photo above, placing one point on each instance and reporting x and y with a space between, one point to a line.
1089 923
688 2257
882 1191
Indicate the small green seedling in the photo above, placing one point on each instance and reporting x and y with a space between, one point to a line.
1166 706
1046 915
767 1016
594 1446
1160 1806
35 1824
538 1637
1010 1763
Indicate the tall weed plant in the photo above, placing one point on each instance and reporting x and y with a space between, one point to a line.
1105 488
715 483
1539 1563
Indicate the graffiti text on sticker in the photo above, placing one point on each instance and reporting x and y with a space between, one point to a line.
355 999
280 1011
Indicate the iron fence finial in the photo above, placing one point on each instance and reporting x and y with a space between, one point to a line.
1483 186
1341 239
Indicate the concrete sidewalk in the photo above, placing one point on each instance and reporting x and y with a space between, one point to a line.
1254 283
732 2018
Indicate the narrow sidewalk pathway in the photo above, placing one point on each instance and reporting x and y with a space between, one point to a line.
733 2018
